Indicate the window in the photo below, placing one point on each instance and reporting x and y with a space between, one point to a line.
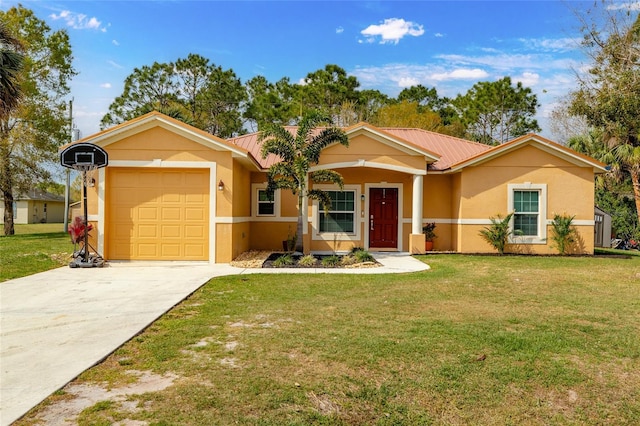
528 202
341 214
266 205
526 212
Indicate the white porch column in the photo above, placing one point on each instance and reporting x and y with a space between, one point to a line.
416 216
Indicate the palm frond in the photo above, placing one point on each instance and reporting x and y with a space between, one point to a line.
328 136
322 196
327 176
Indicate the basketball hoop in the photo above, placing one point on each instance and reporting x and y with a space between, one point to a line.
84 157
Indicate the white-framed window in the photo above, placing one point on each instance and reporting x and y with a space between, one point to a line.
266 204
263 203
342 221
341 215
528 202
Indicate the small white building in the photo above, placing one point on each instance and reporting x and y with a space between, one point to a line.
36 206
602 228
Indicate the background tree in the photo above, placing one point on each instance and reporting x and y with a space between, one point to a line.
495 112
608 94
270 103
191 89
408 114
327 89
298 153
31 133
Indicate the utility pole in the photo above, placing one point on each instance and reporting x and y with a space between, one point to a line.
67 186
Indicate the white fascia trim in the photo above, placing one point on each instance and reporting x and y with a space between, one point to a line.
541 238
316 235
367 187
254 201
157 163
479 221
259 219
371 164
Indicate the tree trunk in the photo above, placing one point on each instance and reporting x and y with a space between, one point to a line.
299 240
8 213
635 181
6 186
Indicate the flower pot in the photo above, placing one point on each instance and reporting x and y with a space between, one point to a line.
428 245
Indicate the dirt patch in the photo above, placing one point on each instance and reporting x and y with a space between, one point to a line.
82 396
251 259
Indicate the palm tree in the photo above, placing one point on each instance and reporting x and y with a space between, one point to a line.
298 153
10 66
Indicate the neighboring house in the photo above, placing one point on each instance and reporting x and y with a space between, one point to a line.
36 206
172 191
602 228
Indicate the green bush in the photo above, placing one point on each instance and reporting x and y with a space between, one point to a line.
307 260
331 261
363 256
498 233
563 233
284 261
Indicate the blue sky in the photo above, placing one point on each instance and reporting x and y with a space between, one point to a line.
449 45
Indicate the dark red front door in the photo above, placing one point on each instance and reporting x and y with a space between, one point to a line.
383 218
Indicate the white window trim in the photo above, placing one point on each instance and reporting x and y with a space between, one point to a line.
254 201
339 236
541 238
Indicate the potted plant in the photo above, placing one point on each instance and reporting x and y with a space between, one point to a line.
429 235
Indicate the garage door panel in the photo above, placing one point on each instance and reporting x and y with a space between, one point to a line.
147 251
194 231
147 213
172 213
194 214
171 197
171 231
147 231
193 251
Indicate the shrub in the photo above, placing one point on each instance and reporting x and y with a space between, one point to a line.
307 260
363 256
498 233
284 260
331 261
348 260
563 233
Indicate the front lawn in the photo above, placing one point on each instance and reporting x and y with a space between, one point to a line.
485 340
34 248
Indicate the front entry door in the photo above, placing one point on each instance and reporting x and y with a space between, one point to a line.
383 218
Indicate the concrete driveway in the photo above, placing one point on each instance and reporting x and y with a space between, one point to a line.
56 324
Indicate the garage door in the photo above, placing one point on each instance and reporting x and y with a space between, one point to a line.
157 214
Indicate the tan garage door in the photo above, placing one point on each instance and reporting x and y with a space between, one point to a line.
157 214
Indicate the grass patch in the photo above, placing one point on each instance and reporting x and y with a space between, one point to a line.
34 248
475 340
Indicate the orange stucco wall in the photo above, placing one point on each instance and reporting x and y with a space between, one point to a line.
483 194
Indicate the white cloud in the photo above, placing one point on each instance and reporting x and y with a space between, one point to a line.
438 35
408 82
527 79
552 44
461 74
115 64
115 42
339 30
633 5
392 30
78 21
106 85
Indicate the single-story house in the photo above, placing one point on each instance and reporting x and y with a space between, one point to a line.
172 191
36 206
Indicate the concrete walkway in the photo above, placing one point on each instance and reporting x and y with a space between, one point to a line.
56 324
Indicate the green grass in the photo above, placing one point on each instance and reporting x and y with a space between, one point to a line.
492 340
34 248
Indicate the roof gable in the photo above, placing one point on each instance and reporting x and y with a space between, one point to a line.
156 119
539 142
